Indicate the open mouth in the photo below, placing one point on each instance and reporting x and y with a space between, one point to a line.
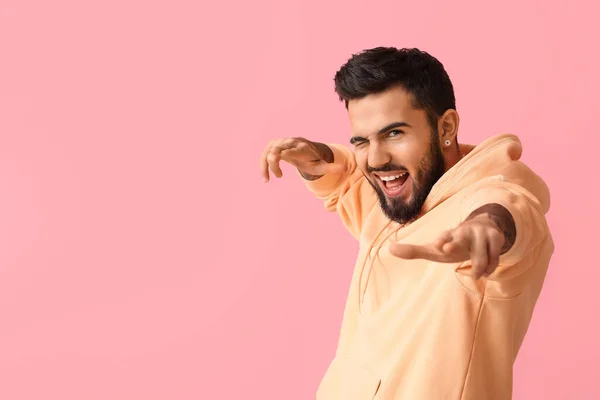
394 183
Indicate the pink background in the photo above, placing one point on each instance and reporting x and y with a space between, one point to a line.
142 256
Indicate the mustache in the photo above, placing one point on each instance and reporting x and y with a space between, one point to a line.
387 168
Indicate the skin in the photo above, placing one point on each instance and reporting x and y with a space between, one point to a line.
482 238
390 134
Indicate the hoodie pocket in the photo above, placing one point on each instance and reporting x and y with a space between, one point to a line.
345 380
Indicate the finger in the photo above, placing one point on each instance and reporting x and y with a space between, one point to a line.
413 252
287 144
264 163
294 148
273 159
495 243
479 253
444 238
297 157
273 146
291 154
459 245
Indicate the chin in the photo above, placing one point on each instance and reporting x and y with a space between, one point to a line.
404 198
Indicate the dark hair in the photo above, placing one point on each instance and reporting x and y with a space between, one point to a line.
378 69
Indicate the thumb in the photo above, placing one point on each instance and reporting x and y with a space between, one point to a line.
405 251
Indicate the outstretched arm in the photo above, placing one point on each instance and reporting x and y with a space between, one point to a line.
488 232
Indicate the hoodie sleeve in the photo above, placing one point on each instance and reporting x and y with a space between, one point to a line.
532 238
347 193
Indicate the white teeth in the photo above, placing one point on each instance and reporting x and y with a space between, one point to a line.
391 178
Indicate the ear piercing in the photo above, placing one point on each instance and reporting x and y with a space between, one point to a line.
447 142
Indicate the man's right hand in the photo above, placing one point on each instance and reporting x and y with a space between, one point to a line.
312 159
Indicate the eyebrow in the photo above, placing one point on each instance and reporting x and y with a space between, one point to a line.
383 130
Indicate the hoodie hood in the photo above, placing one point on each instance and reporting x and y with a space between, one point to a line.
495 158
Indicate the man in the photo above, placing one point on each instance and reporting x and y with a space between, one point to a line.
454 244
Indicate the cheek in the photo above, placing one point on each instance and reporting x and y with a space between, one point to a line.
409 155
361 160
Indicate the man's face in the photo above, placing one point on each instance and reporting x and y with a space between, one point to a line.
397 151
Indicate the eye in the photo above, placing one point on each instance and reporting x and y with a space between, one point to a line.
394 133
358 142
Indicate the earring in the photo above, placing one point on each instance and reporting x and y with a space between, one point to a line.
447 142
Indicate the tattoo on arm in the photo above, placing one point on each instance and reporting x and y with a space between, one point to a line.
503 219
326 155
310 177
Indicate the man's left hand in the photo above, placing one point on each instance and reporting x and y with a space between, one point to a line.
478 239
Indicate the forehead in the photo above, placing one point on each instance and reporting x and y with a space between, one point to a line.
373 112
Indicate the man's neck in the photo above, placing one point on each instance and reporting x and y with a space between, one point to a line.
452 159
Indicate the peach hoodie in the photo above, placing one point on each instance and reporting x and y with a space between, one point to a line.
417 329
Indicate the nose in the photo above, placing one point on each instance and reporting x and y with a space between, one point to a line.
378 156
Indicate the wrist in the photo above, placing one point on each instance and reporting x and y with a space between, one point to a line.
499 218
309 177
325 153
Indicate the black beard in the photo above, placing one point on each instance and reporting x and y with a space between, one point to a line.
431 169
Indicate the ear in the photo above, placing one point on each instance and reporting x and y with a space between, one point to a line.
448 128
